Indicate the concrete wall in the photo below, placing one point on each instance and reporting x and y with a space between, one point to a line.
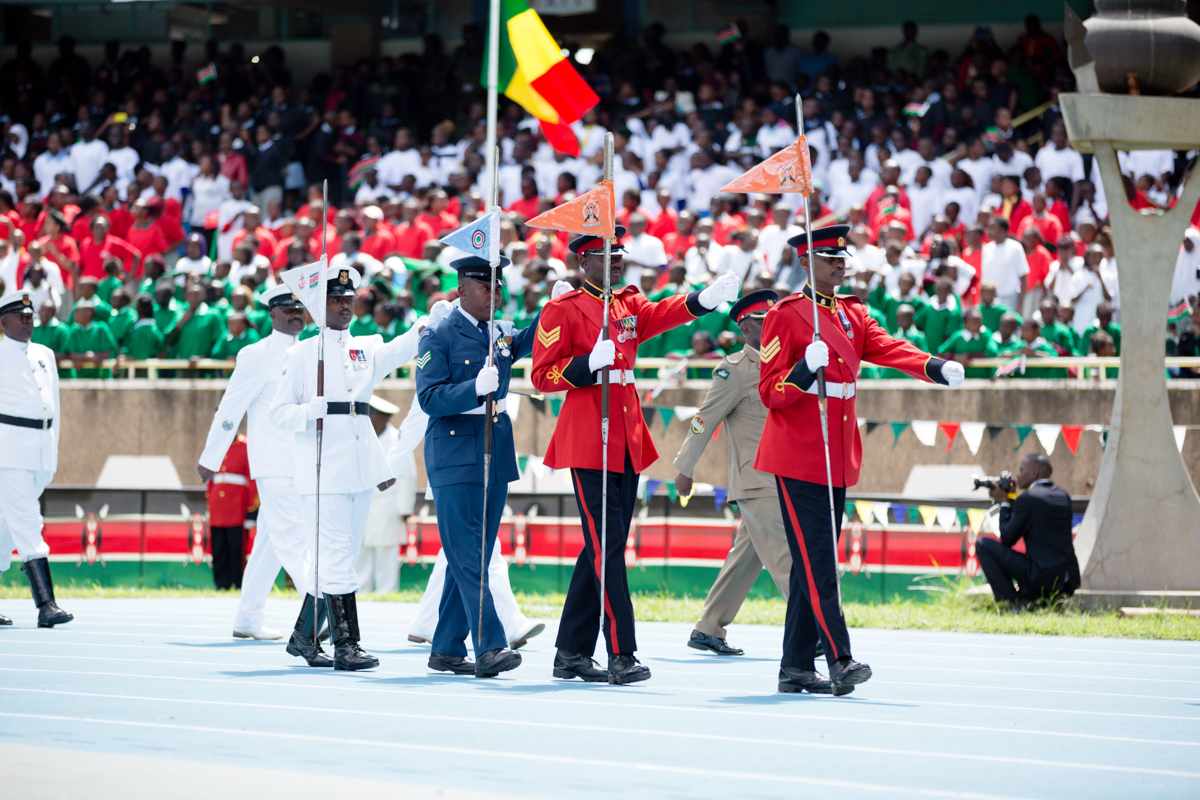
171 418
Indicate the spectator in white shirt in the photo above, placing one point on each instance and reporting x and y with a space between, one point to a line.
178 172
702 258
857 187
1088 289
781 61
1004 263
940 167
372 190
351 254
589 133
122 156
209 189
772 241
705 180
52 163
642 251
88 156
1010 161
741 258
1060 279
978 166
402 161
774 135
924 200
1057 159
230 219
962 193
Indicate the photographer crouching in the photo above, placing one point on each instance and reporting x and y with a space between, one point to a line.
1041 515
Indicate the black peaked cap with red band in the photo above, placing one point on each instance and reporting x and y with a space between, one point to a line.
755 304
587 243
829 242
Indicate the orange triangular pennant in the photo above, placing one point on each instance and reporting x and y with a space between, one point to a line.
592 213
1070 434
951 430
789 170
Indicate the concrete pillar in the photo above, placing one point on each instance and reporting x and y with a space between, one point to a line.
1142 527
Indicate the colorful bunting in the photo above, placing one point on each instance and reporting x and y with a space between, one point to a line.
1022 432
863 508
928 515
951 430
901 512
947 516
881 512
926 431
1180 432
897 429
652 487
976 517
556 403
1071 434
994 430
1048 435
672 493
666 414
973 433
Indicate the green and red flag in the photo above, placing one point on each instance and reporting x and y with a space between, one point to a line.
1178 311
535 74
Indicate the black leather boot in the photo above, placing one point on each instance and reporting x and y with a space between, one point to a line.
493 662
302 644
343 626
5 620
846 673
625 668
49 614
576 665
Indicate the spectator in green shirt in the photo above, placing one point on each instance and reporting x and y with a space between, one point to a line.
1102 346
88 286
363 323
123 315
991 309
943 315
240 335
90 342
1102 324
166 311
1006 338
50 332
112 281
906 294
153 268
1034 346
145 340
532 300
1055 332
970 342
906 330
198 330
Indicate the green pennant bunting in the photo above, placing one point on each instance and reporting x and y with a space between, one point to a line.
666 414
963 520
1022 432
671 493
522 462
556 403
914 514
897 429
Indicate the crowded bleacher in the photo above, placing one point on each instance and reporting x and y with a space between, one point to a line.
148 205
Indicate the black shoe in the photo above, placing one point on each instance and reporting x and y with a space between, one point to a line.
493 662
846 673
702 641
802 680
343 627
624 668
40 583
5 620
459 665
301 642
576 665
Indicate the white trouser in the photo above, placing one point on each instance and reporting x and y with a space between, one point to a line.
343 523
20 514
502 596
378 568
279 541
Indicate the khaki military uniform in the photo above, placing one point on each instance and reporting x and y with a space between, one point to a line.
760 540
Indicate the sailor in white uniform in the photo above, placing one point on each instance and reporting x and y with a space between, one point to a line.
29 427
280 539
353 464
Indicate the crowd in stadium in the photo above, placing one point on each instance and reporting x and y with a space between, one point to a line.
148 205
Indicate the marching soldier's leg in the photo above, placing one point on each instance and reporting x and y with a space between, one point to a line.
421 630
580 622
261 570
6 548
301 643
19 493
764 526
797 670
738 574
282 518
491 640
343 519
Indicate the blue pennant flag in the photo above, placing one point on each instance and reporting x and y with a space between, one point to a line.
719 495
481 238
652 487
900 512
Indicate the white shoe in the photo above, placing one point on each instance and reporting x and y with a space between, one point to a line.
261 633
530 629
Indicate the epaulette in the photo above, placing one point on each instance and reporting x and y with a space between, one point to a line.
572 293
850 299
735 358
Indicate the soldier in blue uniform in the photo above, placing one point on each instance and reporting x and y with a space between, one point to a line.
453 380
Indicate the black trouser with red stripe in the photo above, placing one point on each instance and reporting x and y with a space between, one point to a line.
813 608
581 611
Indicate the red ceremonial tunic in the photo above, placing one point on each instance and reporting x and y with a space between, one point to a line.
791 443
231 492
567 332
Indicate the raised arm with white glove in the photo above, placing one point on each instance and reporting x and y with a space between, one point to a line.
560 288
723 290
604 353
953 372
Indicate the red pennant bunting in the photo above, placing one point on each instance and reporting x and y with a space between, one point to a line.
1071 434
951 430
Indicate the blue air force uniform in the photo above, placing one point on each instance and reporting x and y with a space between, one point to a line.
450 356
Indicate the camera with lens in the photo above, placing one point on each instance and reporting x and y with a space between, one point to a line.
1004 482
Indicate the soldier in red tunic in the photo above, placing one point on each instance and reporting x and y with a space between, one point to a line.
792 446
231 493
568 354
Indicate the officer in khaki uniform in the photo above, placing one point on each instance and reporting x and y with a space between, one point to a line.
761 539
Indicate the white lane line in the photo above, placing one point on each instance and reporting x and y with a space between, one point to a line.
1170 773
509 755
516 695
573 726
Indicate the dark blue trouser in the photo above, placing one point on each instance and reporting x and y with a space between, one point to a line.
813 608
460 524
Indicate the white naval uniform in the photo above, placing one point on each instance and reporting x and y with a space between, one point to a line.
412 433
280 539
28 456
378 565
352 461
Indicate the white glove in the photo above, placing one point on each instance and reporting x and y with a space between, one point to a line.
560 287
487 381
953 372
723 290
816 355
441 309
318 408
604 354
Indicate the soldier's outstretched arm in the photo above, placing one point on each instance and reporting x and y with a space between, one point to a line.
396 353
247 381
883 349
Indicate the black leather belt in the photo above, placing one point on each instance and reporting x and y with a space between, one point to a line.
353 409
36 424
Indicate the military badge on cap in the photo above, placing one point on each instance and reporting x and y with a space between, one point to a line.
343 277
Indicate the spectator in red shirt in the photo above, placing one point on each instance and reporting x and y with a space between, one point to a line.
1039 259
889 177
10 220
100 246
683 238
664 223
60 200
1047 224
725 221
972 253
1013 207
378 241
233 164
1058 191
119 218
302 234
31 220
630 205
413 232
59 247
146 235
435 215
268 245
90 207
528 205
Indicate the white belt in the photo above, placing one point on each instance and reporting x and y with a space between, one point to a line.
501 406
838 391
230 477
622 376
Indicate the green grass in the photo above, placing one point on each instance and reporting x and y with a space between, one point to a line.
950 610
